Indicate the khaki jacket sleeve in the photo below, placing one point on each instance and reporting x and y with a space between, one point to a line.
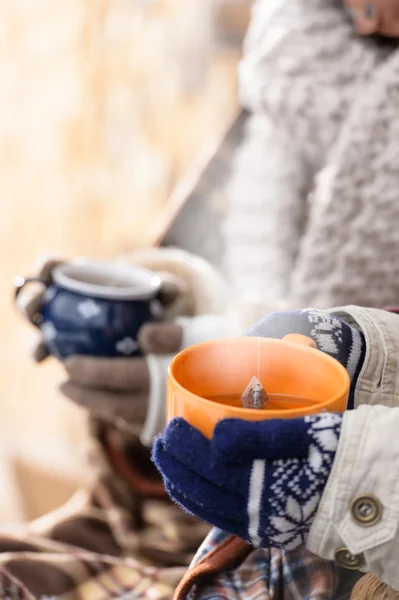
357 523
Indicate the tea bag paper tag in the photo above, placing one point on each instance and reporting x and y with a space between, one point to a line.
254 395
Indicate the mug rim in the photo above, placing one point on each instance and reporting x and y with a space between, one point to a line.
145 284
242 412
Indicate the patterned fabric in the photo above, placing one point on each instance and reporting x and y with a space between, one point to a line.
261 480
274 575
120 539
215 538
293 488
28 574
269 574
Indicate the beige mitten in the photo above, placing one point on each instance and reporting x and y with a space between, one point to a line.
117 389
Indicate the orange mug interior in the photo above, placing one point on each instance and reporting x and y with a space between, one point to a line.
206 381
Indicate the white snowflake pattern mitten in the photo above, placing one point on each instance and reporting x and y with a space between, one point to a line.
259 480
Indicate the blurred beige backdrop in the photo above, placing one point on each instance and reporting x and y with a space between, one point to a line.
103 105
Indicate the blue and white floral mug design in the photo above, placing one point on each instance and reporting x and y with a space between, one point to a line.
97 308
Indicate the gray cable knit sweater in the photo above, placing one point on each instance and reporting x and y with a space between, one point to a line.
313 213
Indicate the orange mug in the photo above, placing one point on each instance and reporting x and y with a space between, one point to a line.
206 381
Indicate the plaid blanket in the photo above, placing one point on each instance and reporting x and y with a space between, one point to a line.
227 568
122 538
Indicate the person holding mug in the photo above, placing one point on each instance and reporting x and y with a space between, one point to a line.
312 220
323 120
321 514
284 494
114 327
110 380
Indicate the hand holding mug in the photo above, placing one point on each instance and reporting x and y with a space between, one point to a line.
261 480
101 338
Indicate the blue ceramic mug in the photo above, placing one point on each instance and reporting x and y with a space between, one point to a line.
97 308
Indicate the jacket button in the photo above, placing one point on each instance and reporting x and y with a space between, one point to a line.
353 562
366 510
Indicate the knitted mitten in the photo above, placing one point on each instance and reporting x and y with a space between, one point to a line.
262 480
259 480
331 334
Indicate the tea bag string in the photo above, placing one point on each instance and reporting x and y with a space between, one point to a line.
254 395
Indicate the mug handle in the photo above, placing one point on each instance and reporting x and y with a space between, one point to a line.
298 338
20 282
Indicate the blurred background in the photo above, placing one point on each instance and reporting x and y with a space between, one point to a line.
103 107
